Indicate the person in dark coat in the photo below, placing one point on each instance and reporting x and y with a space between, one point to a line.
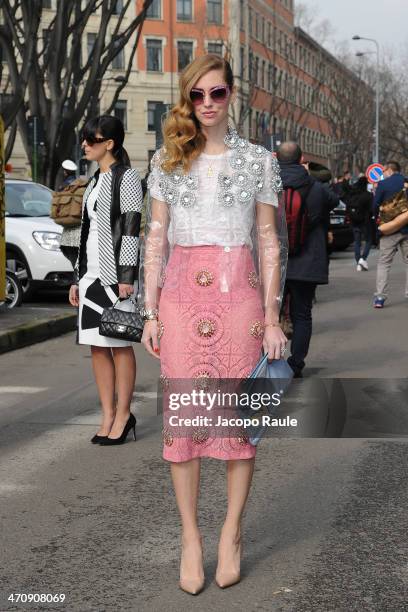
359 204
310 268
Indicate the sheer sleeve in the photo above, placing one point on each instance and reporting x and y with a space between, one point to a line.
155 246
272 183
155 179
272 244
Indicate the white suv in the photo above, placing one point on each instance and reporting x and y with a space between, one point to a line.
32 238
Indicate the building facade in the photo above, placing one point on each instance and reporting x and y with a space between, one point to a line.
285 79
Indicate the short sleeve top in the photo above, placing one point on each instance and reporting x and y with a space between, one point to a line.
214 204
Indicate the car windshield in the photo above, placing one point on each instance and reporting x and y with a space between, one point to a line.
27 200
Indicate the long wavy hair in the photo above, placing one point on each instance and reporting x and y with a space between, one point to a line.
183 138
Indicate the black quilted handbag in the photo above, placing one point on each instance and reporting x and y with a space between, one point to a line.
120 324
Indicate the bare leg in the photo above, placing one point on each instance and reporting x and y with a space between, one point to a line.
186 481
239 477
125 370
104 371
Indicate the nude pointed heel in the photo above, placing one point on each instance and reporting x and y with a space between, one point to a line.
192 585
225 579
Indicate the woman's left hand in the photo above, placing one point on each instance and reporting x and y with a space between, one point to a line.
125 290
274 341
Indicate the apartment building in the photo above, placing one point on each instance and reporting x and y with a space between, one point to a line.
284 77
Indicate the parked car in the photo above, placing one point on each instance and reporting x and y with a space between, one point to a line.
340 227
33 239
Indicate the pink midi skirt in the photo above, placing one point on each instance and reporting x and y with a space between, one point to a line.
210 326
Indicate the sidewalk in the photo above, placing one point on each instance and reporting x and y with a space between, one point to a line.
29 324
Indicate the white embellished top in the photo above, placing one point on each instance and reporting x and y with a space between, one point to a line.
214 204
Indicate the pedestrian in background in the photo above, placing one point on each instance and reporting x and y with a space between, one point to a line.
69 171
309 267
392 184
359 204
70 235
107 269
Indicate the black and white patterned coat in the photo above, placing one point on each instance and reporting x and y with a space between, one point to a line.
119 207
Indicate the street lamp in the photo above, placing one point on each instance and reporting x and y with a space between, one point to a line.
377 94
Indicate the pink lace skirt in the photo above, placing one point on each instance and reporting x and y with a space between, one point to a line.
210 326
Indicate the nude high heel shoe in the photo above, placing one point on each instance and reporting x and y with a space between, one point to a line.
189 583
225 578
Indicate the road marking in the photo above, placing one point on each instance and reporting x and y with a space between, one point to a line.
23 390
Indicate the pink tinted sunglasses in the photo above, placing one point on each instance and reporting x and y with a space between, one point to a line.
218 94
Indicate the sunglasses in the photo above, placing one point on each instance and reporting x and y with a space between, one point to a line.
218 94
91 140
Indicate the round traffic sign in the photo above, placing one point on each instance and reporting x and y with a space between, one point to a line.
375 173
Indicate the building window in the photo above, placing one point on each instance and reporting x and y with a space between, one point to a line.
154 55
214 11
90 42
120 111
118 62
154 10
151 107
215 48
184 10
118 7
263 74
241 14
184 53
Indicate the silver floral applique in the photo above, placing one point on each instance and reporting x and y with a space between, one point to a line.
257 167
188 199
227 199
238 161
225 182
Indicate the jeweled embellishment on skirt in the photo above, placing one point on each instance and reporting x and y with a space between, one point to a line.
200 435
206 328
167 437
204 278
253 279
201 381
160 328
257 329
243 439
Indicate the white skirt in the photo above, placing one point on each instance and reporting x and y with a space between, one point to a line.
93 298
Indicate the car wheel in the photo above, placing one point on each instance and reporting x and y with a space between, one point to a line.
14 290
17 264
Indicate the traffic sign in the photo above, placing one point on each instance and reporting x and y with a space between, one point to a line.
375 173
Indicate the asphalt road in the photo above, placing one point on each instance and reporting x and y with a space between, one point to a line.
326 525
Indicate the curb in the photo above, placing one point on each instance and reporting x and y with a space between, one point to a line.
38 331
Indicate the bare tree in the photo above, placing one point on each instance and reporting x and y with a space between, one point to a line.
46 77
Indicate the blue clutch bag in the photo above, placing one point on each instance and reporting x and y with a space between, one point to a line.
278 376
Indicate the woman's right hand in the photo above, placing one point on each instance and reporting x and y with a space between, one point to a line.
150 338
74 295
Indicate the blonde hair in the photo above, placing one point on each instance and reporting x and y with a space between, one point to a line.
183 139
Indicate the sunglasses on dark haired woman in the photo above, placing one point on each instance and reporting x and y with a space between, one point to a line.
218 94
91 140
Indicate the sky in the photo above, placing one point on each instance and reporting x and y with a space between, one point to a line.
385 20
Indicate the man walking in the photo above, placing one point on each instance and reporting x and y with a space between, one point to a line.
392 184
359 204
308 260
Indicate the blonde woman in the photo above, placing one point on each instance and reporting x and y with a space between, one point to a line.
208 309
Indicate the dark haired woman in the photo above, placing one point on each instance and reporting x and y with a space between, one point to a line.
107 269
214 303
